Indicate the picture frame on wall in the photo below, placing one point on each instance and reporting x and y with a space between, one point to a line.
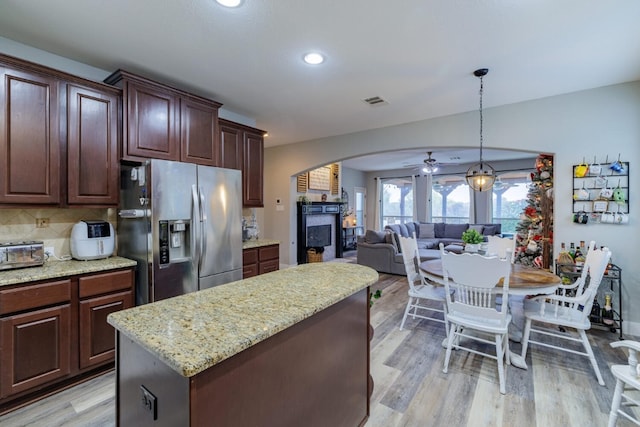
320 179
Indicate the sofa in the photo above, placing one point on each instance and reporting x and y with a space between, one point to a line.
380 249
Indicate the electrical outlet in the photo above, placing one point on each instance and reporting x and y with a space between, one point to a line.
149 402
42 222
48 250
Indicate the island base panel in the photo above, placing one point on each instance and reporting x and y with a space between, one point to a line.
314 373
136 367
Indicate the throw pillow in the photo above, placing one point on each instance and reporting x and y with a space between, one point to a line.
393 239
411 228
403 230
372 236
454 231
427 231
489 230
477 227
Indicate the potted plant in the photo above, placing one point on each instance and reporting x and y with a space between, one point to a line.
472 239
374 296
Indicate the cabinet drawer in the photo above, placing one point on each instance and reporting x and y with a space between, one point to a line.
249 271
104 283
34 296
249 256
269 252
269 266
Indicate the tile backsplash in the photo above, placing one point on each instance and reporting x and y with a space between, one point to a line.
20 224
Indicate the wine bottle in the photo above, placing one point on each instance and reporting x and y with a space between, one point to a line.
607 312
572 250
595 312
579 257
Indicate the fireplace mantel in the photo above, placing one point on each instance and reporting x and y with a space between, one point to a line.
318 208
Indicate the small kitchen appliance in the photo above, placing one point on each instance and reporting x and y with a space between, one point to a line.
21 254
92 240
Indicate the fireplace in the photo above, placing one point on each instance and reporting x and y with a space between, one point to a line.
318 236
319 225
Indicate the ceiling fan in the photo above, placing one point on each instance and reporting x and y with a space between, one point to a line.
430 164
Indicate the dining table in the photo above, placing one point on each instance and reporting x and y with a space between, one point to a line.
523 281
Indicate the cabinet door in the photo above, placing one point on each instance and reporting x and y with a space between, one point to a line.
198 138
97 337
92 146
231 146
35 348
252 171
152 128
249 263
29 138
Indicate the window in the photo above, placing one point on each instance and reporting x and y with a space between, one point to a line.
450 200
397 200
359 204
510 198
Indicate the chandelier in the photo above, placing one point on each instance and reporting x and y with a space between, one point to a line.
481 176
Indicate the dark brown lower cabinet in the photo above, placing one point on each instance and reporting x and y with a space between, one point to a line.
97 343
54 333
35 348
260 260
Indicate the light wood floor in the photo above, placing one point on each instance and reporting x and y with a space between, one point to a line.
410 388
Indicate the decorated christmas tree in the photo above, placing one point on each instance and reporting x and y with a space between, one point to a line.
534 232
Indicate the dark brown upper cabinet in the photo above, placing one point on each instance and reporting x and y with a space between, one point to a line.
92 145
29 136
231 135
59 137
149 118
161 122
253 169
242 148
199 134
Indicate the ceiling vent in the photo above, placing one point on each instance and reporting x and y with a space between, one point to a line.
375 101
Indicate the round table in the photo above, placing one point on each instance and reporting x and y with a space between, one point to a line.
522 281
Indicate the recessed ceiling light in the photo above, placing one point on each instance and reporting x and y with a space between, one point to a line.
229 3
313 58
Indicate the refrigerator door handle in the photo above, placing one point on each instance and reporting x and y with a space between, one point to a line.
203 228
196 229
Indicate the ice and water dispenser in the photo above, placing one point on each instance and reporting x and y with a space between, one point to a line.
175 241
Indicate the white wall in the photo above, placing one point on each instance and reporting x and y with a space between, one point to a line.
598 122
351 178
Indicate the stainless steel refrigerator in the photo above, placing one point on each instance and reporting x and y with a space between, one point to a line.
182 223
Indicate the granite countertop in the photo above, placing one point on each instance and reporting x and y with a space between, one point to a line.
54 269
192 332
258 243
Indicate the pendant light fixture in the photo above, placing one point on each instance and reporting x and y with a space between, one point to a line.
481 176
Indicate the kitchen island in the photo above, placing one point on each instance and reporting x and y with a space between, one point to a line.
284 348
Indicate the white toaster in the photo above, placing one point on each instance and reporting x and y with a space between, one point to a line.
92 240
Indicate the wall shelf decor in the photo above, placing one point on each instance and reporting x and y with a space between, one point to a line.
320 179
601 192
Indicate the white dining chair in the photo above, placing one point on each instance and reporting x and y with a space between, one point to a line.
627 384
420 289
500 246
570 312
472 311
